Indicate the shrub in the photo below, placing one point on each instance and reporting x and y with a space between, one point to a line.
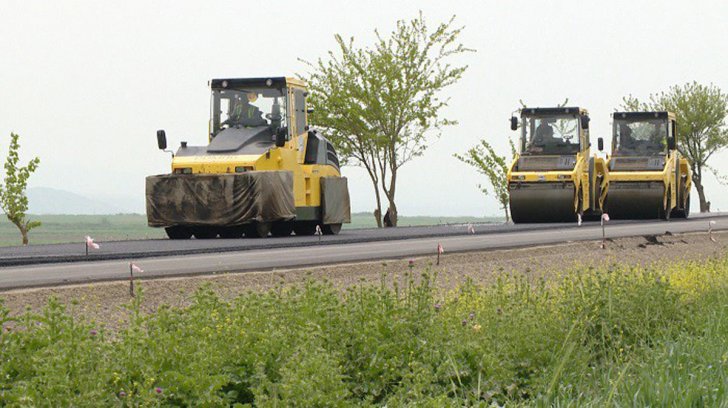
624 336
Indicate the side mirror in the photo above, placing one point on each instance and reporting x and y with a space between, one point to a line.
514 123
600 144
671 143
161 139
585 122
281 136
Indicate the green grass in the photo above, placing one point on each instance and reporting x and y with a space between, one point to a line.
615 336
73 228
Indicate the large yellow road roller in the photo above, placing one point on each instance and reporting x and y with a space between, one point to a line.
263 171
648 178
553 178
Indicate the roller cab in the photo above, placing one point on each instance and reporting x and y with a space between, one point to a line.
263 170
648 176
553 178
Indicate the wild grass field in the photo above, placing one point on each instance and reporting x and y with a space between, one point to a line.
73 228
608 336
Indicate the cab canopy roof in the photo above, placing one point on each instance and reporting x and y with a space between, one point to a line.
272 82
643 115
553 111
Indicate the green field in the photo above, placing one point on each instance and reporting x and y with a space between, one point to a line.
73 228
616 336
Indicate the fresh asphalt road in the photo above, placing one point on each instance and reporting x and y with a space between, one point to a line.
280 256
136 249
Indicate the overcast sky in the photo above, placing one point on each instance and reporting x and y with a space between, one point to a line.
87 84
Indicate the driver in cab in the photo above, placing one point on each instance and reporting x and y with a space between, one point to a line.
244 113
626 141
543 137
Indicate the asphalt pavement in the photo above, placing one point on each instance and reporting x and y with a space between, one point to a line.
76 252
221 256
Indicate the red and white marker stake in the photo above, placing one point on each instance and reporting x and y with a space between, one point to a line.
440 251
710 231
605 218
91 244
133 268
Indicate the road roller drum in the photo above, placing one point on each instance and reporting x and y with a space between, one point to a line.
553 178
542 202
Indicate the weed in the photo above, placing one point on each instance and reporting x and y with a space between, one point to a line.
614 336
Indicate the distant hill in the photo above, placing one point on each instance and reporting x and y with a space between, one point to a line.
44 200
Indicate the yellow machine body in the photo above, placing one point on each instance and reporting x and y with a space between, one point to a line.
558 181
306 177
256 125
648 177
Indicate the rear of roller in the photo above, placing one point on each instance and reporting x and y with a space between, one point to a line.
542 202
636 200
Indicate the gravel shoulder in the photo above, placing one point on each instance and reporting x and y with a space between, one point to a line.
104 303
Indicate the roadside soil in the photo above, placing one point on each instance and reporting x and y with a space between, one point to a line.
104 303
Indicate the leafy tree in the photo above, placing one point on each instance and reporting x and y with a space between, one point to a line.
487 162
701 112
379 104
13 200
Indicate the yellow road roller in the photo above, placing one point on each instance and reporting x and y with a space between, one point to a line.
553 178
648 178
263 172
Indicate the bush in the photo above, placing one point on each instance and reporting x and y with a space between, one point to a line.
616 336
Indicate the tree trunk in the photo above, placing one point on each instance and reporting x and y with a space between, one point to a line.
374 177
392 212
704 204
24 233
389 192
23 229
378 211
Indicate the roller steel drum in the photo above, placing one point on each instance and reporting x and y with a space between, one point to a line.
635 200
542 202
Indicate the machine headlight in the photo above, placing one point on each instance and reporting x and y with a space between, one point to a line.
183 170
564 177
243 169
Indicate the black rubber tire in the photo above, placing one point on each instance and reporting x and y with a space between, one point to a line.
331 229
258 230
304 228
232 232
178 232
282 228
204 232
